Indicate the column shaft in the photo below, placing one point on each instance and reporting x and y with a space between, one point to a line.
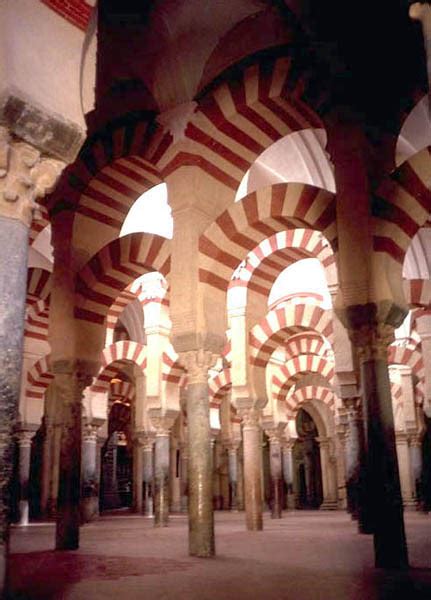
383 482
70 386
252 472
90 479
184 459
276 478
24 444
161 479
148 478
233 476
13 277
201 516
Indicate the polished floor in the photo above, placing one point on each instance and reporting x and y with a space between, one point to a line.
304 556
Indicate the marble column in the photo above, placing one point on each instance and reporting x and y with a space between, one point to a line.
70 382
353 447
415 447
90 480
138 484
46 466
184 459
403 455
328 475
24 446
287 448
174 477
201 515
232 456
275 464
240 480
25 176
252 452
161 477
148 474
383 488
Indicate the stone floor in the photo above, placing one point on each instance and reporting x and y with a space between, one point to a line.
304 556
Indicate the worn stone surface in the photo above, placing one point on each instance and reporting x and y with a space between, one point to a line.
161 479
13 279
252 471
70 384
200 481
51 134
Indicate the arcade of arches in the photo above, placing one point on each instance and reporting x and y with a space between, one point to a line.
215 279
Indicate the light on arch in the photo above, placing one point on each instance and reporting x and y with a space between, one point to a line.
150 213
303 279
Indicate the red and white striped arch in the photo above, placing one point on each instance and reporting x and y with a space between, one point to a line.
237 121
305 343
292 371
117 265
267 260
122 389
402 205
37 321
417 292
310 393
113 357
120 303
39 377
280 324
219 386
409 356
111 193
172 370
109 174
260 215
38 284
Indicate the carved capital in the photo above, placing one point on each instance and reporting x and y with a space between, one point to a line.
197 363
25 177
250 418
162 422
372 340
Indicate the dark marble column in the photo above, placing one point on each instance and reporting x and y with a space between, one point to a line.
275 465
200 480
90 478
252 451
148 475
70 382
383 491
161 478
353 449
415 446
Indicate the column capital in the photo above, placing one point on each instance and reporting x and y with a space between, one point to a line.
288 444
352 406
250 417
162 422
25 177
415 440
197 363
24 437
89 433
